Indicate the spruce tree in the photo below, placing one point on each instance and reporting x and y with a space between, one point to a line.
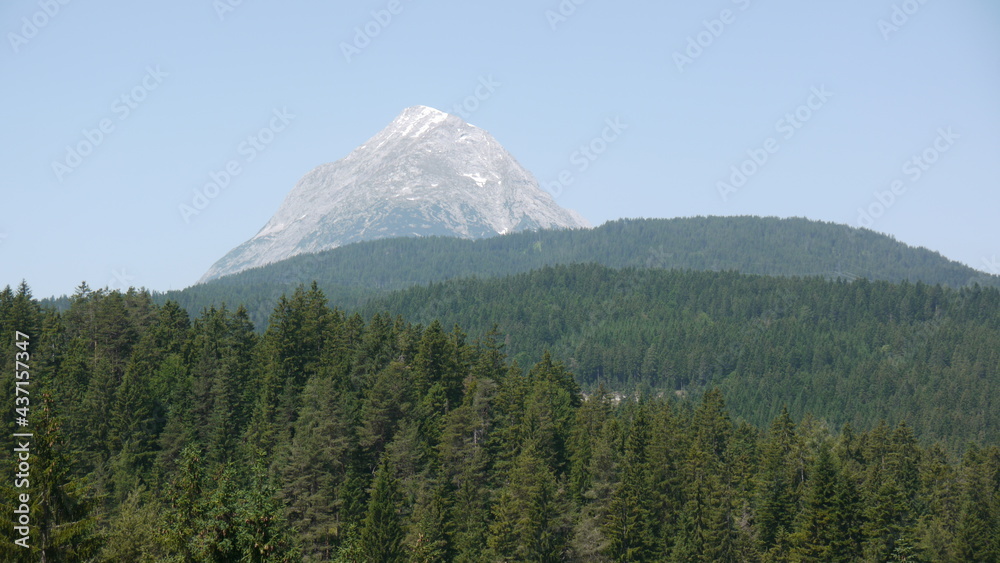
314 465
62 517
530 517
430 539
382 531
976 536
818 525
777 487
630 527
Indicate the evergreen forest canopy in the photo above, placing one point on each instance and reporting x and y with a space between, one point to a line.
352 275
855 352
337 437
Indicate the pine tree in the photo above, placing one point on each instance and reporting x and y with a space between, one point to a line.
292 350
386 402
817 527
179 428
630 527
217 524
590 542
590 419
221 366
382 531
706 525
890 490
777 485
976 536
431 535
262 533
183 510
506 437
65 528
132 436
939 496
464 459
549 410
666 454
530 515
135 533
847 539
435 363
315 464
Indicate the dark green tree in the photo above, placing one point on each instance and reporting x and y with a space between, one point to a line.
530 515
631 523
382 532
778 485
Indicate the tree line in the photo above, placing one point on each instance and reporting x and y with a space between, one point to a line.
354 274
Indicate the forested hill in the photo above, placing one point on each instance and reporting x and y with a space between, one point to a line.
352 274
844 351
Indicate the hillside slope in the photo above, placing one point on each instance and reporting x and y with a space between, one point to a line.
352 274
855 352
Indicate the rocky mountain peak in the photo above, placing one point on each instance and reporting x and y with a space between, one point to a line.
427 173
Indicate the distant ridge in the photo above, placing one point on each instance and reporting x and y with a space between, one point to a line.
352 274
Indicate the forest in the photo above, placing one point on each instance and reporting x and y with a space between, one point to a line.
336 436
857 352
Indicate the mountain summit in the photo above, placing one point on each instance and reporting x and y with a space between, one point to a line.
427 173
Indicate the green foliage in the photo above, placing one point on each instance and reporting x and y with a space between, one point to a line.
135 533
530 515
215 517
433 525
925 354
331 437
382 531
630 527
781 476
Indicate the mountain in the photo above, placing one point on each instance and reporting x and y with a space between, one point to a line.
351 275
427 173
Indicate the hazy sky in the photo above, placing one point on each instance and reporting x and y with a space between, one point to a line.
115 114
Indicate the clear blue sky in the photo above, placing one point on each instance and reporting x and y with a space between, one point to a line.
197 85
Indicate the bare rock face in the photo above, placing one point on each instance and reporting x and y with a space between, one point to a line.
427 173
